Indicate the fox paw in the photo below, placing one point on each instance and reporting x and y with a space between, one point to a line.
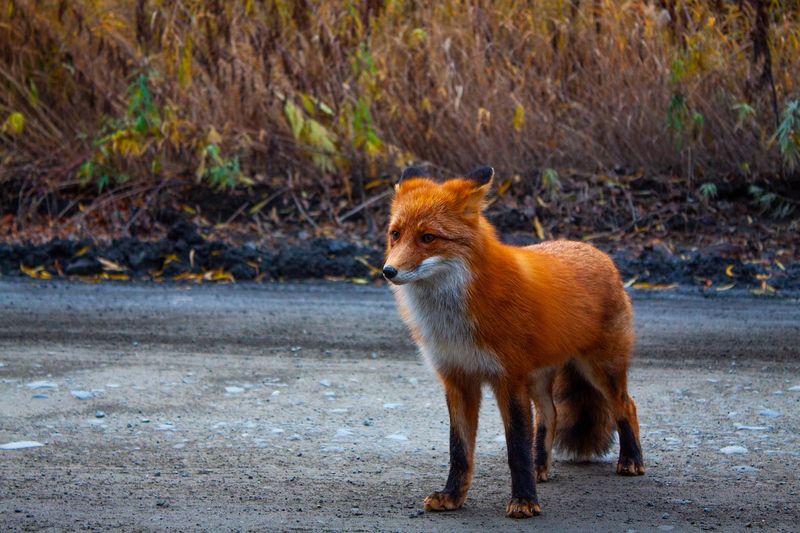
523 508
630 467
442 501
542 473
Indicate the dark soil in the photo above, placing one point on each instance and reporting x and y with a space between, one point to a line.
187 254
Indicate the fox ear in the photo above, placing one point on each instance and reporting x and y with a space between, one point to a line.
473 189
482 175
413 172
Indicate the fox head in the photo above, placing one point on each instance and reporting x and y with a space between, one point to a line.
433 227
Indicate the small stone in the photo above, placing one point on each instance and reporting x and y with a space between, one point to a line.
145 421
42 385
397 437
745 468
325 382
82 394
769 413
99 414
39 396
733 450
367 422
392 405
665 516
796 388
234 390
20 445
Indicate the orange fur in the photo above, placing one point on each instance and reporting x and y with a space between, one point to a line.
513 317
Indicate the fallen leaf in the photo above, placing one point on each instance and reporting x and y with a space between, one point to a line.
723 288
655 286
539 229
111 265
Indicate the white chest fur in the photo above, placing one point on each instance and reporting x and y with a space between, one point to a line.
438 308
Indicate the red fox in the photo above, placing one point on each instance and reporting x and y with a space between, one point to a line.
549 323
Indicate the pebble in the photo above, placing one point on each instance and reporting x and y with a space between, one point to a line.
331 449
733 450
325 382
343 433
42 385
397 437
392 405
367 422
20 445
82 394
39 396
745 468
234 390
769 413
99 414
796 388
750 428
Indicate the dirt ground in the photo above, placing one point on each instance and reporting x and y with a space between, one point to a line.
305 407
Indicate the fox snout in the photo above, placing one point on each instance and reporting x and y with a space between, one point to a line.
389 271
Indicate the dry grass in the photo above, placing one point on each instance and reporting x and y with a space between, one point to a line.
139 95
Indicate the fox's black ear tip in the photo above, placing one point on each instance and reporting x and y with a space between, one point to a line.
482 175
413 172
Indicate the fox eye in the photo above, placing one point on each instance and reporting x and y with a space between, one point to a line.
428 238
395 235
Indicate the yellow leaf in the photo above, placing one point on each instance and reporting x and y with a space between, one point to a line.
484 118
116 277
372 270
630 281
780 265
81 251
539 229
185 67
359 281
213 136
14 124
729 272
519 117
654 286
762 277
372 184
723 288
503 188
36 273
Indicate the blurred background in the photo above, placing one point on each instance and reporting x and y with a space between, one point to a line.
259 139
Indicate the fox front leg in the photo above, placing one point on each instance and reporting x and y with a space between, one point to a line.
463 404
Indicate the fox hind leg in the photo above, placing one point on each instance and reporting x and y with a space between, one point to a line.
541 391
612 381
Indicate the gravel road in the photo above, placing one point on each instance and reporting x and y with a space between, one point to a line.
305 407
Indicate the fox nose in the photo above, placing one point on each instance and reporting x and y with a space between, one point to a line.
389 271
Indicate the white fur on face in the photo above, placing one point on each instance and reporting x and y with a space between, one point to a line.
437 304
429 268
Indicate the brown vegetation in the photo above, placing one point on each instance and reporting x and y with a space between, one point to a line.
311 106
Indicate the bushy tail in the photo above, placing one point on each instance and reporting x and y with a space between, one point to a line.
585 427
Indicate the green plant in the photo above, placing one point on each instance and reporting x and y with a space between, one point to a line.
788 134
223 172
707 191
